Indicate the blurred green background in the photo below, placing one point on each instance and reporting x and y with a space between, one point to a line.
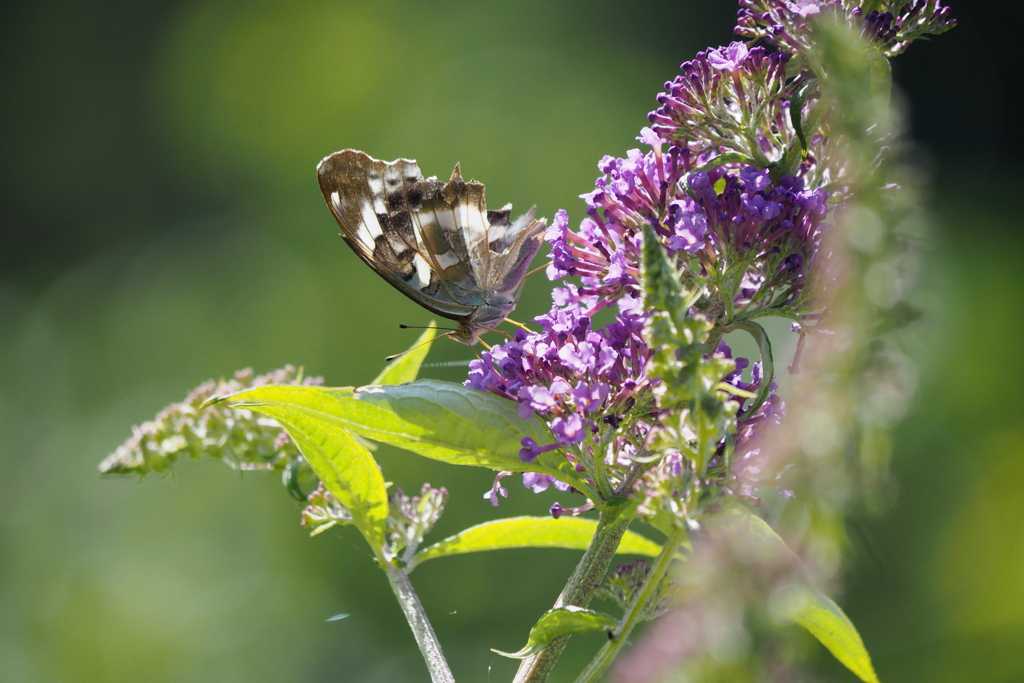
161 225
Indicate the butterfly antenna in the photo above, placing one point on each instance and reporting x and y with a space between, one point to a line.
522 283
537 269
425 327
399 355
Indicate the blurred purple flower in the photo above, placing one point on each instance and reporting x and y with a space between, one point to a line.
784 23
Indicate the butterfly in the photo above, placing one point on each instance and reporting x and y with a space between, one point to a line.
434 242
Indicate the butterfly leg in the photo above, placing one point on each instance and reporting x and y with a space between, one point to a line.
519 325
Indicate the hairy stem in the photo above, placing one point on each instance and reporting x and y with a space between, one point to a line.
578 591
635 611
420 625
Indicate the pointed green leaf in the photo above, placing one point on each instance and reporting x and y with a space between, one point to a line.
804 605
406 367
532 532
561 621
796 111
823 618
439 420
346 469
764 347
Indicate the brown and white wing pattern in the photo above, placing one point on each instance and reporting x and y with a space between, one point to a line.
514 246
434 242
375 202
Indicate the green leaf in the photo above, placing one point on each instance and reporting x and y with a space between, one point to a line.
796 111
561 621
804 605
406 367
532 532
764 347
438 420
823 618
346 468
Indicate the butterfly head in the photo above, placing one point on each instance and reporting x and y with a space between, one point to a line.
484 318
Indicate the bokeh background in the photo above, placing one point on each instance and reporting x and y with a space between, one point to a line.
161 224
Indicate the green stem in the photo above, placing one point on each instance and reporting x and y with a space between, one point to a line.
635 611
600 471
420 625
723 159
579 590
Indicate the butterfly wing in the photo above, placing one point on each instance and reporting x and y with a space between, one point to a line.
513 247
434 242
453 232
484 256
381 208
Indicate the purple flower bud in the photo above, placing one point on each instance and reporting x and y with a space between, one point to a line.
530 450
760 207
688 224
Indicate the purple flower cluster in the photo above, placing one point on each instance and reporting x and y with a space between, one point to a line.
780 23
580 380
733 188
751 210
710 107
772 224
775 226
606 252
583 381
783 23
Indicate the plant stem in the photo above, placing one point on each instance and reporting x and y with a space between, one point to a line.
420 625
578 591
631 618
